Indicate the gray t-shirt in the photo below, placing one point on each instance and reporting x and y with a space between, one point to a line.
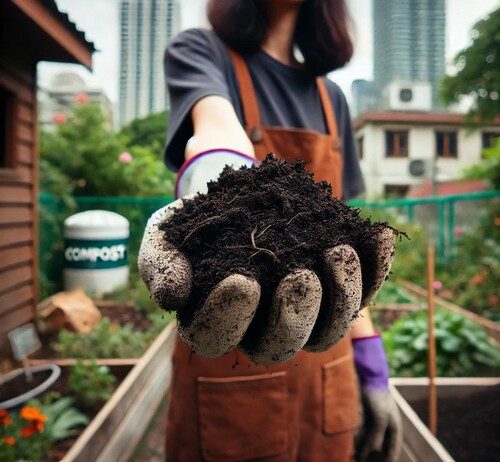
197 64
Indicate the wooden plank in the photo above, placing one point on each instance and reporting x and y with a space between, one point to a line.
14 236
22 315
398 306
15 277
21 296
15 195
35 248
492 328
24 152
24 93
21 175
15 215
25 114
19 70
14 256
66 362
24 132
99 433
417 437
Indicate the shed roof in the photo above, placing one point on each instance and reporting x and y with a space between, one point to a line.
52 35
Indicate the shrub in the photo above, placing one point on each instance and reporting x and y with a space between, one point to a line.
462 346
91 384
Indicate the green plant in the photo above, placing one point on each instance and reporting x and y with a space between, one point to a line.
91 384
109 340
28 434
462 346
473 276
83 157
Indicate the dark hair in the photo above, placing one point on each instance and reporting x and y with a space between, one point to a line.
322 32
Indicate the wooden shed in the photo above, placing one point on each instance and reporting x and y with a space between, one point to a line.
30 31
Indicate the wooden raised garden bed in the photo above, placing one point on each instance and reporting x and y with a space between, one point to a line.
117 429
468 416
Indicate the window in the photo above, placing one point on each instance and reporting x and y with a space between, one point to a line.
489 139
360 147
446 144
396 144
6 109
396 190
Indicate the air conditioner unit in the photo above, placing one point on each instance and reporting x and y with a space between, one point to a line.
408 96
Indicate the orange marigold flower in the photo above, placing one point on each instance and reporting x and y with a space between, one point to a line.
10 440
478 279
4 417
32 413
29 430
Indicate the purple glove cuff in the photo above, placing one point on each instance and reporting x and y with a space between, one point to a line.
371 362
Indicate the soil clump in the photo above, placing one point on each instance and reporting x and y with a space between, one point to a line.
264 222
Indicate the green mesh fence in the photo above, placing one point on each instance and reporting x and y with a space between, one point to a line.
439 216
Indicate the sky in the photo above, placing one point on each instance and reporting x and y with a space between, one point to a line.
99 19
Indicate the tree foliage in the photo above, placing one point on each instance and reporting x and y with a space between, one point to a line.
148 131
489 168
478 73
83 157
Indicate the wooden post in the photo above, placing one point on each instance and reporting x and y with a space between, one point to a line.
431 341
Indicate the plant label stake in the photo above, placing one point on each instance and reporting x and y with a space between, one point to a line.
431 341
24 340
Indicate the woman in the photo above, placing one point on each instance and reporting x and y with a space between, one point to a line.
244 90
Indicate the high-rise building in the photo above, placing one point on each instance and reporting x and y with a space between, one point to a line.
146 28
409 44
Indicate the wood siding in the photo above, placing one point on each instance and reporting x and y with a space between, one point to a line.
18 199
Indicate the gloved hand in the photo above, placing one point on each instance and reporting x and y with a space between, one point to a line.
380 436
300 316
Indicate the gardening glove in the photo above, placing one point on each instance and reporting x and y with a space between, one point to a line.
380 435
302 312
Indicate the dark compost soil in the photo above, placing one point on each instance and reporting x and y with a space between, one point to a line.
20 385
468 427
264 222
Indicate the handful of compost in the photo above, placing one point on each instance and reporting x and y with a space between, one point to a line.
266 260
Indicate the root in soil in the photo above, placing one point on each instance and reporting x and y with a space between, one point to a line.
264 222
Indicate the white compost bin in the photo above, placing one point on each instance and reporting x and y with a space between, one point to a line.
95 251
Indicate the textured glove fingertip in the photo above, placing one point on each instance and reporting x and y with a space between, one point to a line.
382 257
280 333
221 322
341 301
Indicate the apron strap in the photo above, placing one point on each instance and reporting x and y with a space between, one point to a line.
251 109
326 102
247 93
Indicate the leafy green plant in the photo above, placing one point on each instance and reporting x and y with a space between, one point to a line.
462 346
473 277
110 340
83 157
28 434
91 384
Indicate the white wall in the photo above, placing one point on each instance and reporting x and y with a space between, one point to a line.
380 171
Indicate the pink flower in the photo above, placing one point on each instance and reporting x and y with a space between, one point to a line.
59 118
458 231
125 158
447 293
437 285
82 98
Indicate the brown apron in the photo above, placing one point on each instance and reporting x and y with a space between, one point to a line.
306 409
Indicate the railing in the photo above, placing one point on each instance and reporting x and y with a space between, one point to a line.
446 216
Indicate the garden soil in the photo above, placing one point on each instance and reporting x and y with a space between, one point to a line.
468 427
264 222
